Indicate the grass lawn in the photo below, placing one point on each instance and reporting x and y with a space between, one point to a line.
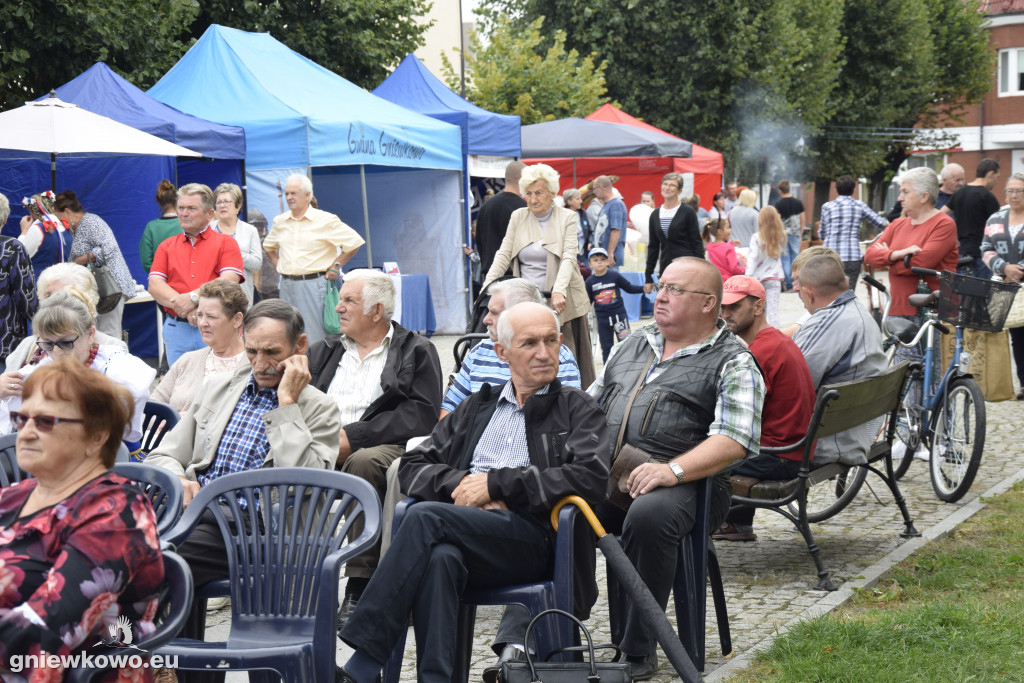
954 611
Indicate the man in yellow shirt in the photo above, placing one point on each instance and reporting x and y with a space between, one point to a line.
308 246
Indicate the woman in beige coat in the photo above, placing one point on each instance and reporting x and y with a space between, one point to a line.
541 246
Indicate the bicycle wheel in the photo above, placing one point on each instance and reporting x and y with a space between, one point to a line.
908 427
828 498
959 440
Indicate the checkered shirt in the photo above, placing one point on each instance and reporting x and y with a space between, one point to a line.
840 225
244 445
503 442
741 387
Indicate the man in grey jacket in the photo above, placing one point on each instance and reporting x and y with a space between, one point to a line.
841 343
266 415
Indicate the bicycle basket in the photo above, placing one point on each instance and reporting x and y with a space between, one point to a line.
975 303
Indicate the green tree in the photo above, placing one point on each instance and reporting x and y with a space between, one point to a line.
45 43
512 74
362 40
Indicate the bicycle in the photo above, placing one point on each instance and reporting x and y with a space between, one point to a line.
945 413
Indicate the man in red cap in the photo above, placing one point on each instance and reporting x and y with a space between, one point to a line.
789 397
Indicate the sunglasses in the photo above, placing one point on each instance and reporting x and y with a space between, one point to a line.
63 344
44 423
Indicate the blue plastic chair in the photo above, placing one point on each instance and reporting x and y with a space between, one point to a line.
170 616
10 473
556 593
163 489
157 419
284 566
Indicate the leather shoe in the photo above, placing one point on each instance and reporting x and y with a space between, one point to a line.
348 606
730 532
644 667
343 676
509 654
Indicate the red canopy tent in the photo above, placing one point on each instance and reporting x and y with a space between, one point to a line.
640 174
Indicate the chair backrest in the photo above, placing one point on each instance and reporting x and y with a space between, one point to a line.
278 556
158 419
10 473
842 406
171 614
163 489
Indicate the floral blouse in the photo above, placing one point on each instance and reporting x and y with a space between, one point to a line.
71 574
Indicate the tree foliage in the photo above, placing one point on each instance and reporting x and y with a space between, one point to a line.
362 40
45 43
513 74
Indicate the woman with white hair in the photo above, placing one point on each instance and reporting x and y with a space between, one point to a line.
925 234
227 203
743 218
541 246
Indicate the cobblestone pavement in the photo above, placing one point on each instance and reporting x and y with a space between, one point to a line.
772 580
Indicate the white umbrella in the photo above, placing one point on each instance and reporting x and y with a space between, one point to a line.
55 127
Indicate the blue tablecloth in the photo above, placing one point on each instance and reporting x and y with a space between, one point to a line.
417 304
633 302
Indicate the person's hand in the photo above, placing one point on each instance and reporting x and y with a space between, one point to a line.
1013 273
558 302
881 245
648 288
294 378
182 305
331 275
900 254
494 505
344 447
189 489
26 223
468 251
472 491
611 260
650 476
10 384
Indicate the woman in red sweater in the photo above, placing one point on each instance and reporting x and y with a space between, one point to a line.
926 233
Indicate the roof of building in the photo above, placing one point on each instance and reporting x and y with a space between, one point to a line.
991 7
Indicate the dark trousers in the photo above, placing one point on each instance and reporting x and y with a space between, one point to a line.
651 531
852 270
439 550
762 467
1017 346
606 331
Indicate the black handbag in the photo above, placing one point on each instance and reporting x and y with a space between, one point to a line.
590 671
110 292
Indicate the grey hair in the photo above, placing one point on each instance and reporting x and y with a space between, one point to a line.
1015 176
377 289
204 193
948 169
61 313
542 173
229 188
569 194
69 274
922 180
5 209
277 309
305 184
505 332
516 291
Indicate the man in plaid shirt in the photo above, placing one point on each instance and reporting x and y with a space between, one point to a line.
840 226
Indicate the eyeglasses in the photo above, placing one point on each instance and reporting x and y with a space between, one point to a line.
226 203
44 423
63 344
676 291
1015 191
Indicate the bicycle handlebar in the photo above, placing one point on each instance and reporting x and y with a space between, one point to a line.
874 283
930 272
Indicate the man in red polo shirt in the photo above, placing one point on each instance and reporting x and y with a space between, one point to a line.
184 263
788 401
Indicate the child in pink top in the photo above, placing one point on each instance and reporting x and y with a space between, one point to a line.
721 252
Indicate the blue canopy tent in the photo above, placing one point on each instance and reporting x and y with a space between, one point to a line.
121 189
390 173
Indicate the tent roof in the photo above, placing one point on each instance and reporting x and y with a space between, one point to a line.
611 113
414 87
99 90
295 112
575 137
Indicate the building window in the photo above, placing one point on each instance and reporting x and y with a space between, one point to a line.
1011 72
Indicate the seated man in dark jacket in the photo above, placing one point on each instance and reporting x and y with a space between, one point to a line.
386 382
504 457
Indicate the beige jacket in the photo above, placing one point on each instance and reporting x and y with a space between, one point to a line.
304 434
563 272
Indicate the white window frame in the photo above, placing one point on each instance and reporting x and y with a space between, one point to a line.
1011 63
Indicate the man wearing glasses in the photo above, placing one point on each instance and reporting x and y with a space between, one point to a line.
686 394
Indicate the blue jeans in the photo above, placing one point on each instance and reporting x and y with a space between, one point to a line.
976 269
180 338
789 253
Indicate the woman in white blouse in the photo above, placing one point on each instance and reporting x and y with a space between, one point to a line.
228 198
222 305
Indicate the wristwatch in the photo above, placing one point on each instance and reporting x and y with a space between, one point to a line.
677 470
194 296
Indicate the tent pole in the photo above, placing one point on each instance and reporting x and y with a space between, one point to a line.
366 216
53 171
574 183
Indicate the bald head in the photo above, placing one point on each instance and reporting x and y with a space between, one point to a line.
686 308
709 277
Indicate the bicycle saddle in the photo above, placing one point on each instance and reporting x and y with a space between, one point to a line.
901 328
923 300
